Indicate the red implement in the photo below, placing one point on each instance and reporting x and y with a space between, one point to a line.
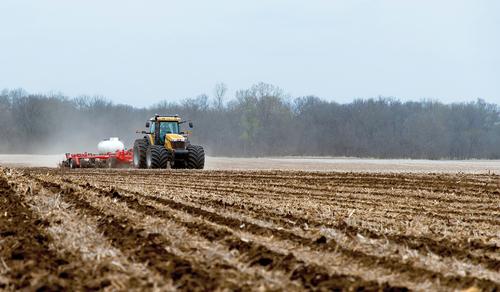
122 158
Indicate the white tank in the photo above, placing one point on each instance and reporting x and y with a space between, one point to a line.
110 146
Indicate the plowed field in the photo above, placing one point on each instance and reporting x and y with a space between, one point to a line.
92 229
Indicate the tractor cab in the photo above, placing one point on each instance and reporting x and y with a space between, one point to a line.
164 130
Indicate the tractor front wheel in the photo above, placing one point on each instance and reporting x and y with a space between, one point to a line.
156 157
196 157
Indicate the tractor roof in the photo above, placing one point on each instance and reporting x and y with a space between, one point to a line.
174 118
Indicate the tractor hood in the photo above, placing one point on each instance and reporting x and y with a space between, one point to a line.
175 138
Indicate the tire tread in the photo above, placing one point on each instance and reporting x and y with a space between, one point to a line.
141 146
196 157
159 156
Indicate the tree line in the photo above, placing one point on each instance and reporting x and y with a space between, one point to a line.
260 121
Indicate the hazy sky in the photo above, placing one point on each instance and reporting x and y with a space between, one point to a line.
140 52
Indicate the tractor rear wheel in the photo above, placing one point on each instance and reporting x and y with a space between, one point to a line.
156 157
140 148
196 157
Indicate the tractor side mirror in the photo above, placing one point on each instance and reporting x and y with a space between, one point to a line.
191 124
147 125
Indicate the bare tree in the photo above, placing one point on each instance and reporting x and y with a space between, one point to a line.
219 93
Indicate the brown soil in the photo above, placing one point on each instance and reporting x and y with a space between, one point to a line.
27 261
259 230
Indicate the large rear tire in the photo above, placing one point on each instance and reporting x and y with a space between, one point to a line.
156 157
140 148
196 157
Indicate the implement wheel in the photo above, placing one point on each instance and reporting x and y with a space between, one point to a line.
112 163
72 164
196 157
156 157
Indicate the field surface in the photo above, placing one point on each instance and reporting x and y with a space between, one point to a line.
256 230
302 163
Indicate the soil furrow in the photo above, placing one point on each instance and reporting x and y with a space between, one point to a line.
313 230
405 205
335 199
320 243
444 248
27 258
310 275
248 204
472 196
147 248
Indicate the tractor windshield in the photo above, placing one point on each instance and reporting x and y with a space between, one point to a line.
168 128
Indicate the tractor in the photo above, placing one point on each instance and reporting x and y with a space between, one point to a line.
165 144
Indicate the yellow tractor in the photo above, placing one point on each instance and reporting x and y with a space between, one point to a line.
165 144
